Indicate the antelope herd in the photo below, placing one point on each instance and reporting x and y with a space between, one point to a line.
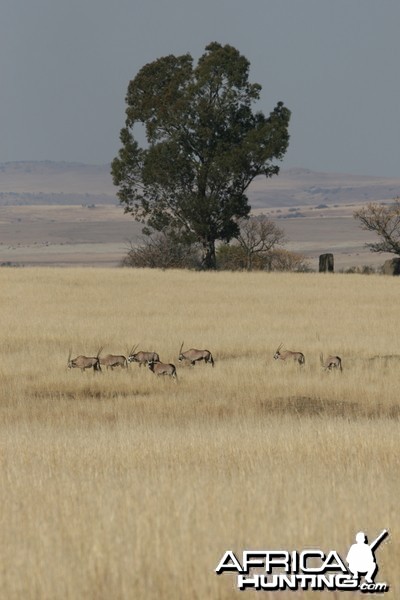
189 357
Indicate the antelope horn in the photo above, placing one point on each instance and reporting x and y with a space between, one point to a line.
181 347
69 356
100 349
133 349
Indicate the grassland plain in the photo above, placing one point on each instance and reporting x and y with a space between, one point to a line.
124 485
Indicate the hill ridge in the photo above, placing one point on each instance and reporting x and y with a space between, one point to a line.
61 182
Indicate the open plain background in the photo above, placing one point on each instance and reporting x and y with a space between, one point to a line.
67 214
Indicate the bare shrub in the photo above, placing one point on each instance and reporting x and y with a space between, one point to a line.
284 260
233 258
162 251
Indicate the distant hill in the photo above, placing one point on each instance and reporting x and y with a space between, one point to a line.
302 187
63 183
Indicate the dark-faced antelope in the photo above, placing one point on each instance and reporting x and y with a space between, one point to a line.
85 362
289 355
142 357
112 360
332 362
160 368
193 356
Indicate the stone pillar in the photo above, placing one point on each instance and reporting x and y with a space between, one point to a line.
326 263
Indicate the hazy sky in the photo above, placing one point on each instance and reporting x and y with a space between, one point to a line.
65 66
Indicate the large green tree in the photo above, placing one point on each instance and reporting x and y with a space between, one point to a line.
205 145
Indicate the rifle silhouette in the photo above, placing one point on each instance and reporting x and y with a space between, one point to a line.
379 539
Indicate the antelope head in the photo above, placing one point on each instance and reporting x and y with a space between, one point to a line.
131 353
278 352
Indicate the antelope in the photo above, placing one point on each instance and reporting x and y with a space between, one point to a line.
332 362
160 368
111 360
289 355
142 357
194 356
84 362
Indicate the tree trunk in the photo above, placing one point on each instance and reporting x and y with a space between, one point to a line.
209 261
249 261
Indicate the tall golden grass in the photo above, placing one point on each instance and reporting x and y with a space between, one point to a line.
124 485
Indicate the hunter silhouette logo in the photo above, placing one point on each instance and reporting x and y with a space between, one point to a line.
310 569
361 559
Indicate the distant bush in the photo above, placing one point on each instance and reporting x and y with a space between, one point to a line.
231 257
257 247
284 260
361 270
8 263
293 213
162 251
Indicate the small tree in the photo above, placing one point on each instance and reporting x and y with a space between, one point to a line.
384 220
205 145
258 236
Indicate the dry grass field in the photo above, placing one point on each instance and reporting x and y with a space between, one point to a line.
127 486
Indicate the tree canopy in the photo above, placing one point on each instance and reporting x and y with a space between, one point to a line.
384 220
205 145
